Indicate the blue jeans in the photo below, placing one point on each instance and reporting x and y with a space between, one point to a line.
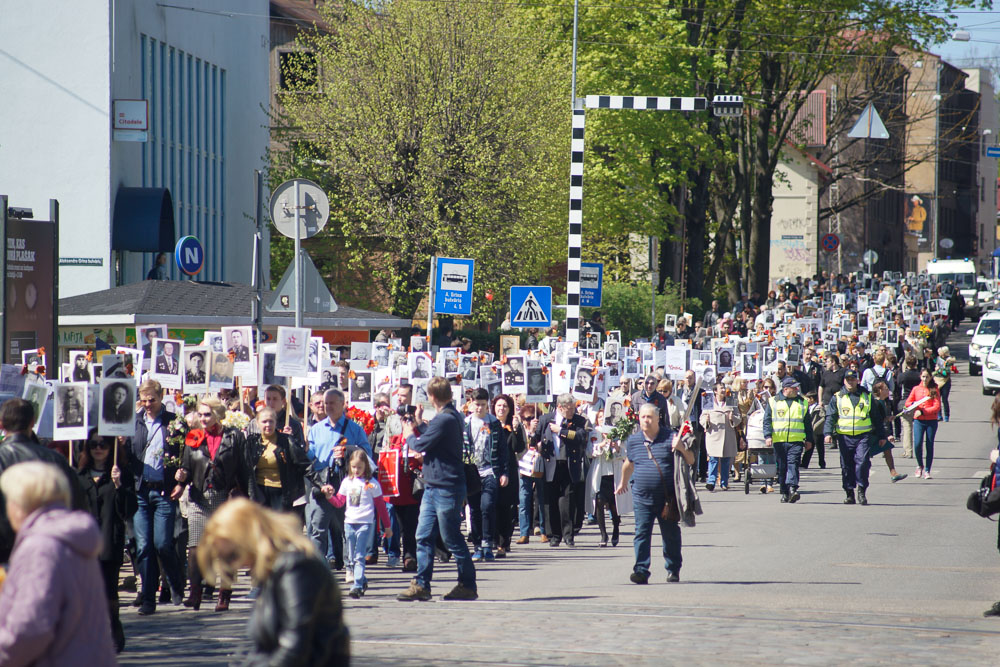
670 534
714 462
154 537
359 537
484 512
924 429
526 501
441 514
855 464
788 455
391 545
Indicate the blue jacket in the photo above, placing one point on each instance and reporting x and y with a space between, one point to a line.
441 444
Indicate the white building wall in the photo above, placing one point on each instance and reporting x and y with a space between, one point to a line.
55 130
980 80
61 65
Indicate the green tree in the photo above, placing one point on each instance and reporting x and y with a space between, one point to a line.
438 128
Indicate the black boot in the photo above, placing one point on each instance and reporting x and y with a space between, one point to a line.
601 522
616 521
194 576
849 500
862 499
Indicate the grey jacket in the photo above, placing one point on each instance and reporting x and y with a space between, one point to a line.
688 504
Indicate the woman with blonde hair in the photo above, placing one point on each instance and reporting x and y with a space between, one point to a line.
212 466
53 609
298 617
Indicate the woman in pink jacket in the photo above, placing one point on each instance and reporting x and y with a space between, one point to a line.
925 421
53 609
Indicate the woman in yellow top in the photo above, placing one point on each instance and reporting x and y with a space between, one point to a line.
272 464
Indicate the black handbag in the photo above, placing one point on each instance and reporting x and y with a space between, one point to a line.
984 501
417 486
473 484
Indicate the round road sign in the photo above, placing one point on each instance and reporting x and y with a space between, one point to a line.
830 242
947 244
189 255
313 208
870 257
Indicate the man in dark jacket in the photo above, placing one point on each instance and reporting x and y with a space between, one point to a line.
153 460
17 416
562 434
439 448
648 394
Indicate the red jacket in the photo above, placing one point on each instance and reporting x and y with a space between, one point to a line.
928 409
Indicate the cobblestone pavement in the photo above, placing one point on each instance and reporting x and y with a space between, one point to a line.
904 580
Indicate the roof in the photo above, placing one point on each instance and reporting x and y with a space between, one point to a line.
305 12
209 304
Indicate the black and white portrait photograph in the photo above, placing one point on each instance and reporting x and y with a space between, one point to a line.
611 351
420 393
514 379
266 375
494 388
145 336
114 366
361 350
214 341
749 365
583 383
238 341
487 374
794 355
468 364
81 369
32 359
510 345
448 360
315 352
770 357
132 357
630 362
361 389
167 363
117 408
538 386
195 367
615 336
420 366
380 353
222 372
724 359
70 411
418 344
892 336
36 393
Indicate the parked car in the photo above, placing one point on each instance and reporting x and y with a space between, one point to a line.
991 370
983 337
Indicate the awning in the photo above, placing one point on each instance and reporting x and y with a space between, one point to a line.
143 220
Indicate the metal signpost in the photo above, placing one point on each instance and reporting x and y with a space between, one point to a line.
300 209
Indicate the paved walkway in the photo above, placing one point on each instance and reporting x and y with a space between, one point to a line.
905 579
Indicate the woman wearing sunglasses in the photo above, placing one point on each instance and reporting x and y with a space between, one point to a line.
111 499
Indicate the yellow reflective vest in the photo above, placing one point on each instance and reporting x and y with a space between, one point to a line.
854 419
788 419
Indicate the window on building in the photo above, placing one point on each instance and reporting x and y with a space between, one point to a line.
298 71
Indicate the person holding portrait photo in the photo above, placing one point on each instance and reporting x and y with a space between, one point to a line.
237 347
195 373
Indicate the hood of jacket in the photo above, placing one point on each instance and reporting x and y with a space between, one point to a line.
77 530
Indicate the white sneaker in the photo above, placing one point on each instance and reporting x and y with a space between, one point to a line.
927 474
349 576
919 472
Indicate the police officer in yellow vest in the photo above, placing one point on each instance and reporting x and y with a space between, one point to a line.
849 419
788 428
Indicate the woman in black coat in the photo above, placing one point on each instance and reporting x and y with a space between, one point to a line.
110 493
502 408
298 616
273 464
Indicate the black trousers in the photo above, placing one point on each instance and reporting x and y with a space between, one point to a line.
820 450
560 499
407 516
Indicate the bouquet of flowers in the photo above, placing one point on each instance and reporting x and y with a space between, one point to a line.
607 449
365 420
924 332
177 431
625 426
236 419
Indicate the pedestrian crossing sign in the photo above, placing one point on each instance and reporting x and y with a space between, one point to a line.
530 306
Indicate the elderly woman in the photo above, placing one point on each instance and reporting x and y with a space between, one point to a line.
297 618
211 466
720 438
53 610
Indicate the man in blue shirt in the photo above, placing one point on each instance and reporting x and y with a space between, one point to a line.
649 454
329 441
439 449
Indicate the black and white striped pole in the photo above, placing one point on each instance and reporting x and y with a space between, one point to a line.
722 105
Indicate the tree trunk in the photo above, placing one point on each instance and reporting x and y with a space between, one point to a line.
697 208
763 202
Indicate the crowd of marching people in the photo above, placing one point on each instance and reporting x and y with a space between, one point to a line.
388 456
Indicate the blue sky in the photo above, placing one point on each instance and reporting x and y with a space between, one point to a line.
984 29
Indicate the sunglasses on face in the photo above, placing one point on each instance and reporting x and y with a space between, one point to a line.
100 445
204 414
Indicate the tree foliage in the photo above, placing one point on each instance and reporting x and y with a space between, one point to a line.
437 129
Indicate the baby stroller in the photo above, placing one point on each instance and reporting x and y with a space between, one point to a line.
760 463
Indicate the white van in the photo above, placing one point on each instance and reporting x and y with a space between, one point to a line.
961 272
983 337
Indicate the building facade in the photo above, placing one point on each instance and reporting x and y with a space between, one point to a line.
202 75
